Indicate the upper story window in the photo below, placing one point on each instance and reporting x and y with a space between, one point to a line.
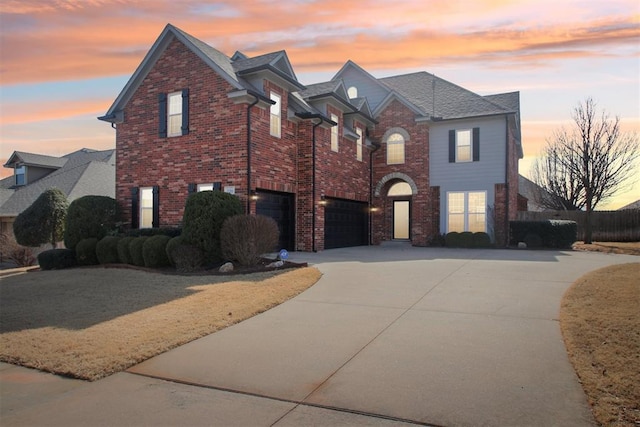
335 131
464 145
395 149
352 92
359 145
20 174
275 122
174 113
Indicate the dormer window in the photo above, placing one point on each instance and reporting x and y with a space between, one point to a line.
352 92
20 172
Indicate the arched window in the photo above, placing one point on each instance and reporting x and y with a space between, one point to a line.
352 92
395 149
399 189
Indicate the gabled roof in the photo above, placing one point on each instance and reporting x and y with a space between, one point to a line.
440 99
633 205
332 89
31 159
274 62
85 172
362 71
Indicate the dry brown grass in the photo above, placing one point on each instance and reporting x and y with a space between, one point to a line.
600 321
92 322
629 248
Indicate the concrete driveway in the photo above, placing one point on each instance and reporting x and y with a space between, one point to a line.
390 335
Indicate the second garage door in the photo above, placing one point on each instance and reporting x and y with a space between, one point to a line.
345 223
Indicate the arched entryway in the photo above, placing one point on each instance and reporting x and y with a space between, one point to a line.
400 195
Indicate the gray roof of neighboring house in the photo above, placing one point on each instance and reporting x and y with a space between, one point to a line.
32 159
533 192
436 97
633 205
85 172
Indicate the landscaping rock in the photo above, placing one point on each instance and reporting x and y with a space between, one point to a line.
226 268
522 245
276 264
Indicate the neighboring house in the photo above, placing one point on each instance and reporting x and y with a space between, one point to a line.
532 196
633 205
353 161
81 173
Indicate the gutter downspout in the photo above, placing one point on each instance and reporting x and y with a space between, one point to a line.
375 148
506 182
249 152
313 185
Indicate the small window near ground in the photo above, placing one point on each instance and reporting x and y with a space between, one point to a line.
204 187
146 207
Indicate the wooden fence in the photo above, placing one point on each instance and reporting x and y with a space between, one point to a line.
607 226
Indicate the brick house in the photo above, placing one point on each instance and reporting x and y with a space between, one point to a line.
353 161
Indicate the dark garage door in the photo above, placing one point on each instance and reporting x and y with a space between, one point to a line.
280 207
345 223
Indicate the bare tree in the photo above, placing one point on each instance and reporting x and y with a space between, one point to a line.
587 164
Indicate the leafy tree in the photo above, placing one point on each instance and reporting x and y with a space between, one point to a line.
43 221
90 216
587 164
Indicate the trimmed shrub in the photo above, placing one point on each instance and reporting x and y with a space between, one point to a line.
204 214
43 221
164 231
244 238
550 233
187 258
481 240
466 239
86 251
437 240
124 256
135 250
154 251
171 245
90 216
107 250
57 259
452 239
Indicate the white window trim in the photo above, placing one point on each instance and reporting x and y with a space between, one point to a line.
335 133
177 132
466 212
275 116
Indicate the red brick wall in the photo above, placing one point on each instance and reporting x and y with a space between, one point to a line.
213 151
423 216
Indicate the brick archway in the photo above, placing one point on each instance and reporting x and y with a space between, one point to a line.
394 176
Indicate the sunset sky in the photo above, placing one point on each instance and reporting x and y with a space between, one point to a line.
63 62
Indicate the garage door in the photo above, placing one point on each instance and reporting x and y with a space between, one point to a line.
345 223
280 207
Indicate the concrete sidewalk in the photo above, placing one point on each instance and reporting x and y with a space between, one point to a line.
389 335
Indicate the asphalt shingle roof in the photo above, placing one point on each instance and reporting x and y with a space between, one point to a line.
85 172
32 159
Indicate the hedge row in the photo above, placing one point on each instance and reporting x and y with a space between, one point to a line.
467 239
548 234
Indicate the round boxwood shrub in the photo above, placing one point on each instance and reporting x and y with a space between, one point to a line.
86 251
452 239
204 214
533 240
154 251
135 251
466 239
57 259
244 238
107 250
124 256
90 216
481 240
171 245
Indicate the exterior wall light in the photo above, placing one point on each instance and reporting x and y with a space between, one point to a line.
254 195
323 201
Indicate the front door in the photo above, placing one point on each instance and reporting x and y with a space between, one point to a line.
401 219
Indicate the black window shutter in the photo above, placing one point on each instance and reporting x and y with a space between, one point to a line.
217 186
452 146
156 207
135 198
162 116
192 188
476 144
185 111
